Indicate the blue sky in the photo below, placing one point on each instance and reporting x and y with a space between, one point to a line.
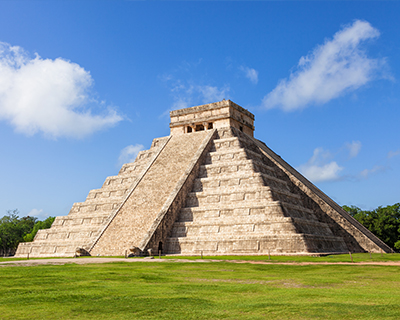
85 85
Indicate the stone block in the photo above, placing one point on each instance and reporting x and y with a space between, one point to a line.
244 246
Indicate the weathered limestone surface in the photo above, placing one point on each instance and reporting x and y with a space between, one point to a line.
210 188
137 215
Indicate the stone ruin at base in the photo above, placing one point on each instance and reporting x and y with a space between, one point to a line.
209 188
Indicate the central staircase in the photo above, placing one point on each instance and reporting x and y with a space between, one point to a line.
240 205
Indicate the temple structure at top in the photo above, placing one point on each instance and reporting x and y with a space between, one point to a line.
222 114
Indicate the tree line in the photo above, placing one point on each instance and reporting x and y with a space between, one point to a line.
14 230
384 222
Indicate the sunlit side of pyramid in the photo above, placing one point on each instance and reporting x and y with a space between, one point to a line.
209 188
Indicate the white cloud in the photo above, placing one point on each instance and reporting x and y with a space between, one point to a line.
38 213
129 153
379 168
187 94
48 96
376 169
354 148
322 167
212 94
327 172
188 90
392 154
319 168
338 66
250 73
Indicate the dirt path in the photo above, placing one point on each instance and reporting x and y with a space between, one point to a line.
133 260
366 263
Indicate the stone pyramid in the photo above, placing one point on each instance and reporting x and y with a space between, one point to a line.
209 188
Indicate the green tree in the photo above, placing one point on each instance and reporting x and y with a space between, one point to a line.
38 225
13 229
352 210
384 222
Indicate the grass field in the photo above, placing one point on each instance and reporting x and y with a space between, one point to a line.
193 290
357 257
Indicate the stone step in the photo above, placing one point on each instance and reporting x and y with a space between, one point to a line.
280 243
250 194
249 224
229 219
229 209
222 168
225 143
49 249
82 207
116 198
111 188
89 214
251 199
261 206
64 221
100 193
65 235
269 211
71 228
226 155
296 211
245 189
274 182
234 236
315 227
234 219
240 179
226 132
232 143
60 238
243 166
118 181
233 154
191 230
245 175
144 155
133 168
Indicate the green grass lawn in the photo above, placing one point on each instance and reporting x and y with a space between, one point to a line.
357 257
210 290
